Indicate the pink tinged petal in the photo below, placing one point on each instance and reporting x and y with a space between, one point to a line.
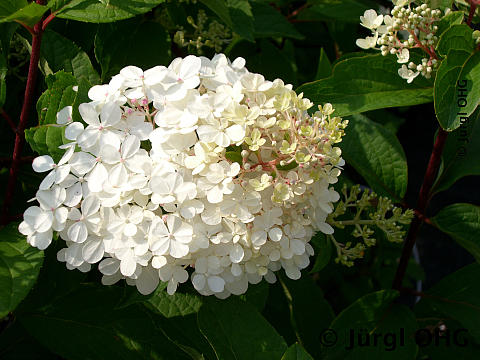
98 92
89 114
43 163
82 162
40 240
207 133
65 115
128 264
129 229
77 232
111 114
90 206
61 173
110 154
155 75
25 228
235 132
39 219
178 250
93 250
190 67
61 215
160 246
236 253
118 175
73 130
130 146
88 137
216 284
148 281
48 181
109 266
131 72
51 199
97 177
109 138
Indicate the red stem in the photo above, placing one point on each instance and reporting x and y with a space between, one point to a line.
473 8
27 105
423 199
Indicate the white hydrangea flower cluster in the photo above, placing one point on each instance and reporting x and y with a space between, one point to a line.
418 26
200 165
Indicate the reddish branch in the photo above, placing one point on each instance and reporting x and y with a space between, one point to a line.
473 8
26 108
423 199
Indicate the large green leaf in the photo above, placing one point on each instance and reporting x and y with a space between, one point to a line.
269 22
45 139
309 311
377 155
457 297
236 14
21 11
460 155
103 11
87 316
462 223
456 93
236 330
324 68
367 82
373 316
178 304
323 251
149 39
453 18
19 267
296 352
62 54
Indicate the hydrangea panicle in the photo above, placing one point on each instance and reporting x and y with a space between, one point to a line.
201 166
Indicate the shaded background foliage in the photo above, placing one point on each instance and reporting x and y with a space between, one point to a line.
67 314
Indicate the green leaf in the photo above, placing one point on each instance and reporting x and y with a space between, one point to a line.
19 267
22 13
45 140
457 296
455 17
341 10
457 37
100 331
62 54
257 295
103 11
457 88
460 155
324 68
234 156
377 155
59 94
375 316
309 310
236 14
323 251
111 55
3 83
269 22
462 223
296 352
236 330
368 82
439 4
178 304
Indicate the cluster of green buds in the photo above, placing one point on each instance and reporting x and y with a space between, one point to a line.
408 27
207 33
476 37
368 211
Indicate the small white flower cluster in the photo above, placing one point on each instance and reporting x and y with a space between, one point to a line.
200 165
417 24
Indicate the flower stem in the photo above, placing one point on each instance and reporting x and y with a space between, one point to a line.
423 199
26 108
